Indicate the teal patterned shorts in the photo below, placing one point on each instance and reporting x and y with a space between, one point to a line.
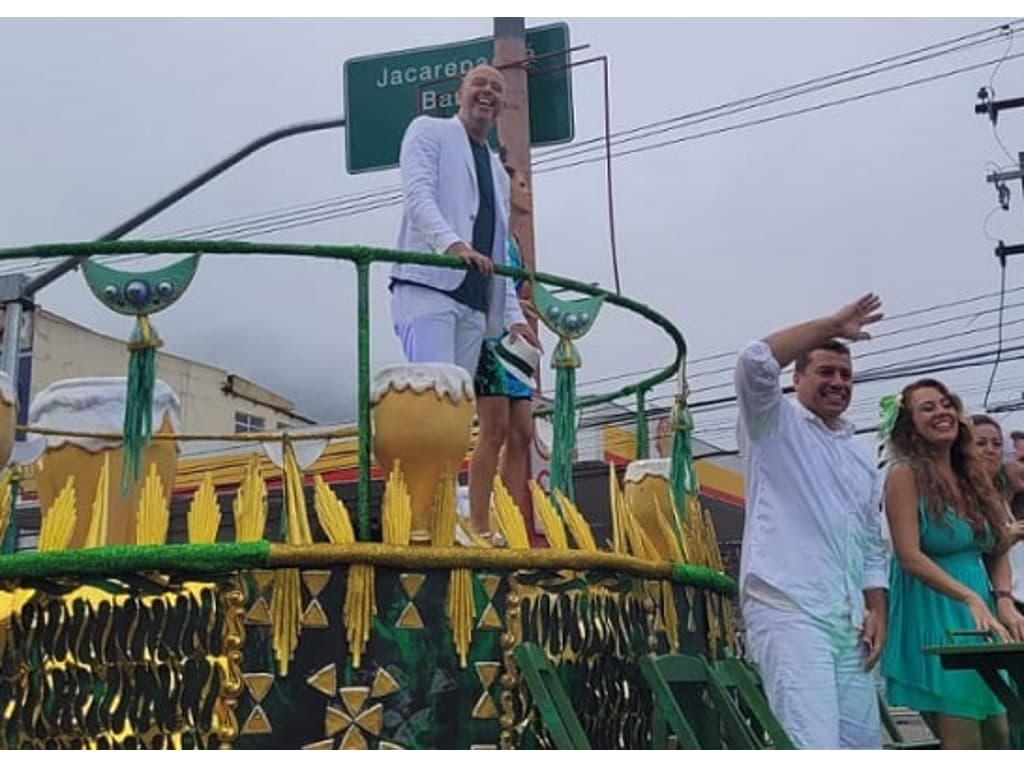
493 379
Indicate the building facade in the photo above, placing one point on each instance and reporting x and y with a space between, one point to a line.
213 400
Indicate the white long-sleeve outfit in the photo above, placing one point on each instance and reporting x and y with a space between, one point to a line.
440 201
811 545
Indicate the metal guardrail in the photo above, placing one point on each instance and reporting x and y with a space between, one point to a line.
362 257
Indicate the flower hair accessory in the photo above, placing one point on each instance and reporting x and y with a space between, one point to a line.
888 409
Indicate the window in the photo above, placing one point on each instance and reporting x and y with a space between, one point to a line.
247 422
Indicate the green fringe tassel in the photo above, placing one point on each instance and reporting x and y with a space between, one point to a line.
565 430
138 408
10 541
682 475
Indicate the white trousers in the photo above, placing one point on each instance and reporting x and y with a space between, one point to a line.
434 328
814 678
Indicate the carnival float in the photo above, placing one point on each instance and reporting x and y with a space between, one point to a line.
383 624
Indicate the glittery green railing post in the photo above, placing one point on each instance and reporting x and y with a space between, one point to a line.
643 440
138 407
565 361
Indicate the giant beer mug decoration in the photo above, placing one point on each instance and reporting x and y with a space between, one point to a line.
422 414
97 405
648 493
8 415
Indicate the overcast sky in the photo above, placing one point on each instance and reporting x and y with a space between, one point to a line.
730 235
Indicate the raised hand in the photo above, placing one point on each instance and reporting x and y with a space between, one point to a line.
851 319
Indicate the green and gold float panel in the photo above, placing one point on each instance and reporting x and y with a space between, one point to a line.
252 645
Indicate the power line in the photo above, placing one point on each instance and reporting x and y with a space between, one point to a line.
779 116
780 94
340 207
692 376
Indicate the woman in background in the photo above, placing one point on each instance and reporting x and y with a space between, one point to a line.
945 517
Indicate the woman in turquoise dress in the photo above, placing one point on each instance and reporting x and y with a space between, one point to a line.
945 517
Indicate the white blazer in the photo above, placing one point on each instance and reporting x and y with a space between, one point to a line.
441 199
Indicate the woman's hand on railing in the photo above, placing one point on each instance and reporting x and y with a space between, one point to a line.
984 621
1011 618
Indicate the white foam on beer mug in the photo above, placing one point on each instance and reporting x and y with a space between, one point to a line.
638 470
7 389
443 378
95 405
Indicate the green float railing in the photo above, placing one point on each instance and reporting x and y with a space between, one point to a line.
682 479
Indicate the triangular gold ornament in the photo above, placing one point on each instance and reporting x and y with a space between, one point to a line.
324 680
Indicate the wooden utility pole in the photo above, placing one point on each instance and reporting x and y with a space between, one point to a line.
514 129
514 134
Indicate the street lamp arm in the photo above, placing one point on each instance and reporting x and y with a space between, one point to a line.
161 205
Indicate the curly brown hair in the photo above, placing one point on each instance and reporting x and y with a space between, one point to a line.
981 499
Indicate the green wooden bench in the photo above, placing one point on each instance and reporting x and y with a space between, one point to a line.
553 706
709 717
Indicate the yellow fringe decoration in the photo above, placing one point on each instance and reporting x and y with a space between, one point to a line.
286 601
396 509
554 531
578 527
58 524
461 611
442 533
5 508
332 514
154 515
6 611
670 615
617 504
509 517
360 608
701 544
667 534
475 539
727 630
204 513
250 506
285 613
295 499
99 523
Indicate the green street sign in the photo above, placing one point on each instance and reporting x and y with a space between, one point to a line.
383 93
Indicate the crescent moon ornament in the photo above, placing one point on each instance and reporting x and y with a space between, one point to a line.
139 294
569 319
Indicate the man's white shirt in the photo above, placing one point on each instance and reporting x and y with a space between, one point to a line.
812 532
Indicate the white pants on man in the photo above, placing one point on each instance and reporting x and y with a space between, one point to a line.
434 328
814 678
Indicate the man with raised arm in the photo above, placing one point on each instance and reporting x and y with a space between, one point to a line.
813 568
